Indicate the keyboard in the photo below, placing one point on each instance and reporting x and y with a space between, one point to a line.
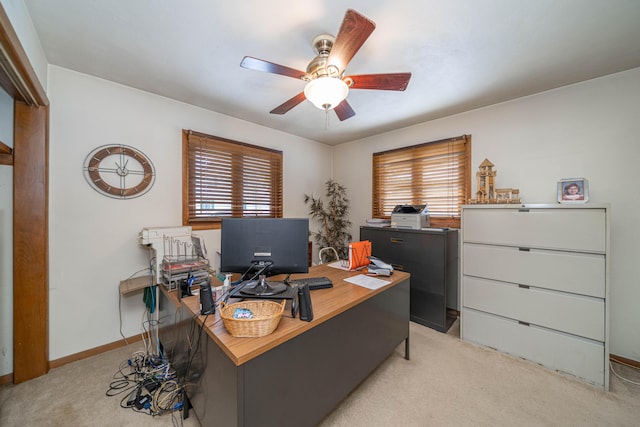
314 282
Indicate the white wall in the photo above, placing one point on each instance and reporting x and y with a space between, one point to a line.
584 130
6 239
92 237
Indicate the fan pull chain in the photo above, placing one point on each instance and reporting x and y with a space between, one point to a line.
326 118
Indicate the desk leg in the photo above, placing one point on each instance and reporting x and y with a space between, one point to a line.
406 349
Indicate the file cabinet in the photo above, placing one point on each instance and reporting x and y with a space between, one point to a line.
535 284
431 256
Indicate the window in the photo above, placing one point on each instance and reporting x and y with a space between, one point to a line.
435 173
224 178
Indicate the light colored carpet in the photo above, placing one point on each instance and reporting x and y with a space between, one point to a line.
75 395
447 382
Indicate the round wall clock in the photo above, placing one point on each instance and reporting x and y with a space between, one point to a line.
119 171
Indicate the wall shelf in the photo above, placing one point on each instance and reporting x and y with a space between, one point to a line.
6 154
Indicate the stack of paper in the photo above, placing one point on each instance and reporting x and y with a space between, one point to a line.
378 222
367 282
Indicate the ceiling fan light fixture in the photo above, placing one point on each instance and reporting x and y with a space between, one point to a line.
326 93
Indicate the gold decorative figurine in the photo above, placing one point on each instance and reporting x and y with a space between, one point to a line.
487 193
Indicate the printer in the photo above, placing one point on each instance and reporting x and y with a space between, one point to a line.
413 217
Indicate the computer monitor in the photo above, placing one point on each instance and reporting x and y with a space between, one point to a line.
261 247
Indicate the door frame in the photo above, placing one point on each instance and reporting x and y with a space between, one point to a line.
30 159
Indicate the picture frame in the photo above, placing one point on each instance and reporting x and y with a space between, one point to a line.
573 190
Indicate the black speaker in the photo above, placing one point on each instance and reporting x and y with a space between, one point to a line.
304 303
207 306
185 288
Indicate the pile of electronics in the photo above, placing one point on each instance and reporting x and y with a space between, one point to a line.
147 384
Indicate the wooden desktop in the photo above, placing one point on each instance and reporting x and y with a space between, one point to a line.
299 373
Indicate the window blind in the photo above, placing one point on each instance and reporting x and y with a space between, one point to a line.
435 173
224 178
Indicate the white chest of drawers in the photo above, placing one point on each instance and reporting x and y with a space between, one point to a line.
535 284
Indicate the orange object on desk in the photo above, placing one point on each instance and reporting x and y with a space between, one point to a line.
359 253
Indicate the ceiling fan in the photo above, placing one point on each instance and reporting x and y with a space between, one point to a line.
327 85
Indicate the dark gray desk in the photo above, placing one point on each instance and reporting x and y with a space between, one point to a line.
300 373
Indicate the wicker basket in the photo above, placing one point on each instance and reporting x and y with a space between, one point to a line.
266 317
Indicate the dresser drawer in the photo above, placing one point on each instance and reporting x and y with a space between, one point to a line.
565 229
388 245
577 356
406 247
579 273
574 314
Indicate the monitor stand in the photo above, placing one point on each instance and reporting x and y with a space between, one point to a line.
263 288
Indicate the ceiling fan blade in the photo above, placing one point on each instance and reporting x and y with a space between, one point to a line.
391 81
354 31
269 67
288 105
344 111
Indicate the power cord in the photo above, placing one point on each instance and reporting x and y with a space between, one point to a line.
621 377
148 385
120 301
146 381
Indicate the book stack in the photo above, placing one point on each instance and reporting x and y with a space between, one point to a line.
378 222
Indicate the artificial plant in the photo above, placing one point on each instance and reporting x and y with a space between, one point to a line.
335 226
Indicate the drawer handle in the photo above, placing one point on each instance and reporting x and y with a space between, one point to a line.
395 240
523 323
523 210
398 267
524 249
524 286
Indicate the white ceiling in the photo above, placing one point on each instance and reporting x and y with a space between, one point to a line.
463 54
